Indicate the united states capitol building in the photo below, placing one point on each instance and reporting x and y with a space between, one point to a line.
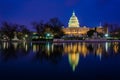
74 28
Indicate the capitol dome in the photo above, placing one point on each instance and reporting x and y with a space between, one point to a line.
73 22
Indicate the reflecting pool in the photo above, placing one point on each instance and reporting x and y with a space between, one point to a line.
59 61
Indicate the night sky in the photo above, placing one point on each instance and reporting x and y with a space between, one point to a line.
89 12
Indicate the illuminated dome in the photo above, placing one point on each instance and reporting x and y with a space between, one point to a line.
73 22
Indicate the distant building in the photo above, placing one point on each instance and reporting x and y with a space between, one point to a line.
74 28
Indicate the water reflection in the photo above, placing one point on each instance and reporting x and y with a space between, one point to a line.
13 50
53 52
25 45
5 45
15 45
116 47
73 60
48 51
74 50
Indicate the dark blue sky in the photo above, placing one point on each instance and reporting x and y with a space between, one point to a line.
89 12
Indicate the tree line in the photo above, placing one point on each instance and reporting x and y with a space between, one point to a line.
53 26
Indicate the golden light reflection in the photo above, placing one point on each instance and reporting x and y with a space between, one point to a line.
76 48
99 51
35 48
52 47
116 47
25 45
84 50
15 45
5 45
73 60
79 47
47 48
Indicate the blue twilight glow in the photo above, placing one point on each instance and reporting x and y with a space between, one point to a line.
89 12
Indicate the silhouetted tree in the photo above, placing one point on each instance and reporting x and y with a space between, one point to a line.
90 33
47 29
8 29
23 31
56 25
53 26
38 26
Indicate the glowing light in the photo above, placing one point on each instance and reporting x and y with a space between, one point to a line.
48 48
26 35
48 34
73 22
34 48
5 45
73 60
26 47
15 44
106 46
116 47
52 47
99 51
84 50
106 35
